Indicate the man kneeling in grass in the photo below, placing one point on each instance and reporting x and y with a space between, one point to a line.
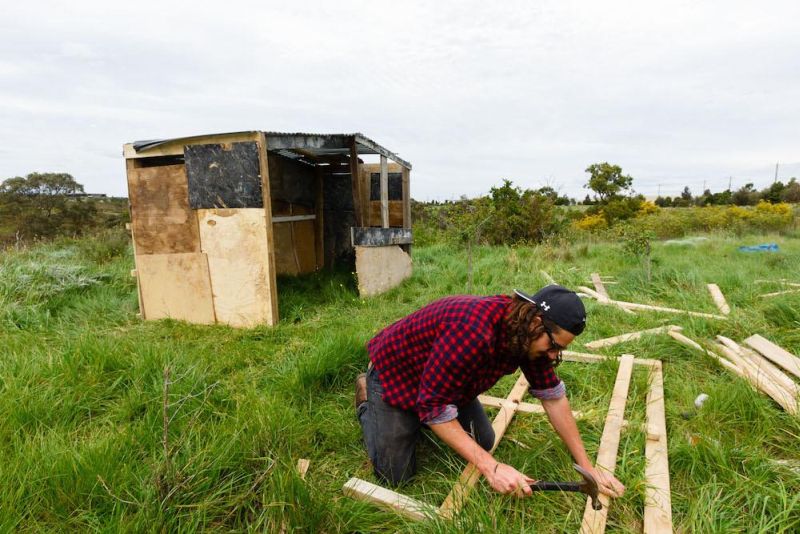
429 368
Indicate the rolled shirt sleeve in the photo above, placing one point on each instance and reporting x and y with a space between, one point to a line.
543 381
454 356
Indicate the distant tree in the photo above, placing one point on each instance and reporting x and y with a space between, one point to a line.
773 193
722 198
588 201
791 192
44 205
607 181
661 202
745 196
704 199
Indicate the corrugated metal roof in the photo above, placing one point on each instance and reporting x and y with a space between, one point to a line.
315 144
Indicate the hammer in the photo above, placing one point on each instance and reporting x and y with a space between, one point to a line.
588 486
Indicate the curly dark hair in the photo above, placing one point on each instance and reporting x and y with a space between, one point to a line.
522 327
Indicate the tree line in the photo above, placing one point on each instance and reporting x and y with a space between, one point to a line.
47 205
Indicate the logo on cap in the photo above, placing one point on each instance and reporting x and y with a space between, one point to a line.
545 307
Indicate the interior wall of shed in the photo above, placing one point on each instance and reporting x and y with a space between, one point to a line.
293 192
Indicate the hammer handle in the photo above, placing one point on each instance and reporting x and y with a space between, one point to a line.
556 486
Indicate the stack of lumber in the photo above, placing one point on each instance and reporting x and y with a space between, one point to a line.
758 367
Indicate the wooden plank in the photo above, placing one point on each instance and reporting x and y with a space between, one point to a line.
406 197
235 241
272 284
778 376
384 192
775 353
302 467
760 381
176 286
395 213
359 196
549 278
161 219
391 500
658 502
599 287
319 223
293 218
776 293
607 342
585 357
693 344
636 306
719 299
470 476
522 407
594 521
602 299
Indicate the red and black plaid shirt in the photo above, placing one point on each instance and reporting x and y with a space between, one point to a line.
449 352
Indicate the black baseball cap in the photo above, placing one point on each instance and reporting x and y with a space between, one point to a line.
560 305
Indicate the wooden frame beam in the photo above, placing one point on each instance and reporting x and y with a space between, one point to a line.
384 184
594 521
657 501
609 341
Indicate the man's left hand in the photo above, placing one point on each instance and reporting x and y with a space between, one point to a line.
607 483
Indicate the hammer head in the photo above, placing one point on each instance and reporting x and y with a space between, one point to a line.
589 487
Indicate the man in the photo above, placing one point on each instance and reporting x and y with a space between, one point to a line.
429 368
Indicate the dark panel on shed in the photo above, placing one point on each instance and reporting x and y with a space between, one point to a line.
161 218
223 176
339 216
380 237
395 186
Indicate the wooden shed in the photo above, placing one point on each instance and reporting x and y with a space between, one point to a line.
215 218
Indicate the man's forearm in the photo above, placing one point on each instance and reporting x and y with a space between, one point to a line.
454 435
560 415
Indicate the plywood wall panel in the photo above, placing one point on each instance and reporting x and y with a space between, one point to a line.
161 219
235 241
176 286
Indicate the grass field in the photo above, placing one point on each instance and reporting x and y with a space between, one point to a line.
84 445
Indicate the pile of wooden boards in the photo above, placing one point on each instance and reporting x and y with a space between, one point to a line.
756 363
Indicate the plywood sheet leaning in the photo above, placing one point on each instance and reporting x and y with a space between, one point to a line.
719 299
594 521
235 241
161 219
658 502
607 342
406 506
773 352
176 286
470 476
381 268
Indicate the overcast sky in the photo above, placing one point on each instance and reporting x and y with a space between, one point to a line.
677 93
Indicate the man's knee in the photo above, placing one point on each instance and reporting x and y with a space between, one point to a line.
394 475
486 439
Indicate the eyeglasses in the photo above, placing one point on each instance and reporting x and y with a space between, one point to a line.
553 346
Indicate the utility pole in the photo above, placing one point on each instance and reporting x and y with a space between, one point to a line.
704 186
776 173
729 182
659 189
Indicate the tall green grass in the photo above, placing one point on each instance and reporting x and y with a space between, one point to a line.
82 393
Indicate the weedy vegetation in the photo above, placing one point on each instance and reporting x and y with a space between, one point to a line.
114 424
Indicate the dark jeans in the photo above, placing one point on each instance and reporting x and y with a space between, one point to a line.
390 434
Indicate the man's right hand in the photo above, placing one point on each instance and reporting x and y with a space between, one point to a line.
505 479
